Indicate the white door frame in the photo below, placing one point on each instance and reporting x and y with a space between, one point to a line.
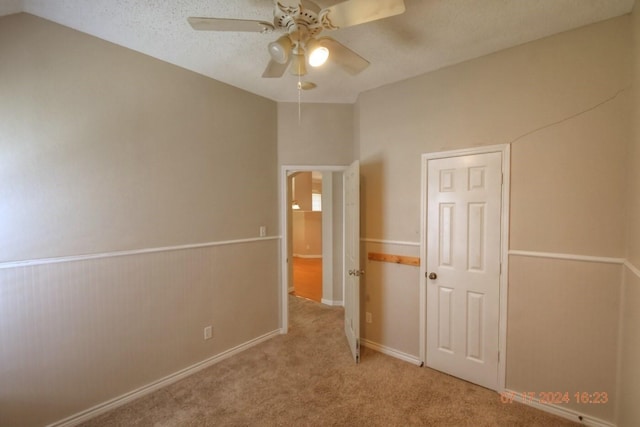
505 149
284 209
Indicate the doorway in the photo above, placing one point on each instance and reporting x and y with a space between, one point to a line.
464 277
306 234
332 238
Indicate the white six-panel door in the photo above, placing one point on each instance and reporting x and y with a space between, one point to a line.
463 253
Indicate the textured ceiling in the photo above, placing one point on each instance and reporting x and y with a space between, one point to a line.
431 34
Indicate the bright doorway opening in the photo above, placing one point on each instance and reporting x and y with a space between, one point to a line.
311 218
306 235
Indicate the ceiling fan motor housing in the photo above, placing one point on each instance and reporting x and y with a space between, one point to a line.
300 22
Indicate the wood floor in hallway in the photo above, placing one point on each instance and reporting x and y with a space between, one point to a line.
307 278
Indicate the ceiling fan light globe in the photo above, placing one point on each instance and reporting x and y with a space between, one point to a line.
280 50
318 56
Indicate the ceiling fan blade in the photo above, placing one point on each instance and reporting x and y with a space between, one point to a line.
354 12
350 61
287 3
223 24
275 69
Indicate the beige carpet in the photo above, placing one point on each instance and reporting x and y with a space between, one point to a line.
307 378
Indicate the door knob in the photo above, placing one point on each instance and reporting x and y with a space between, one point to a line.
433 276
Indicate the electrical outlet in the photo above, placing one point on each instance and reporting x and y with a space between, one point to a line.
208 332
263 231
369 317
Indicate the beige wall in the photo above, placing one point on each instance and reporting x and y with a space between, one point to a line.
141 150
121 151
103 149
307 233
562 103
301 190
633 165
629 410
496 99
307 225
322 136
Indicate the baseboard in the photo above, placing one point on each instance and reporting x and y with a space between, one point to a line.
558 410
101 408
390 352
331 302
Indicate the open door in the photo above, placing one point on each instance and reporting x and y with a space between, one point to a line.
352 258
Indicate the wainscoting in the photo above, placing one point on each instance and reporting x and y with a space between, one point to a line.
629 372
390 292
78 332
563 322
564 318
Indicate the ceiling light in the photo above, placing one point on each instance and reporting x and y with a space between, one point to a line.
280 50
318 54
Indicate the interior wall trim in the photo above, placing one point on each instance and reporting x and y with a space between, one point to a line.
56 260
568 257
332 302
390 242
391 352
508 396
635 270
307 256
101 408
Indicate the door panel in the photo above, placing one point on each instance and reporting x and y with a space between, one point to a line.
352 259
463 253
445 318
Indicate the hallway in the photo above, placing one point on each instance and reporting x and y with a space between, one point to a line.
307 278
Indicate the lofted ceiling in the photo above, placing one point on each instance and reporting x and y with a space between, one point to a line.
431 34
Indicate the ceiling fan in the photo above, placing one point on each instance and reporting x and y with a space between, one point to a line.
302 21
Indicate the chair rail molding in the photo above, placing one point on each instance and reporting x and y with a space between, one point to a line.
71 258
